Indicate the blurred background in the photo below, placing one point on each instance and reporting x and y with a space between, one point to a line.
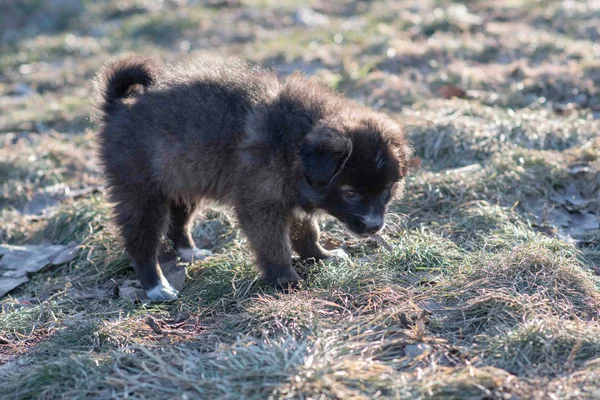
388 54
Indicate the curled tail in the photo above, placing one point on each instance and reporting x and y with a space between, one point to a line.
116 80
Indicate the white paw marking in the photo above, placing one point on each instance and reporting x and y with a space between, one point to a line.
162 292
193 254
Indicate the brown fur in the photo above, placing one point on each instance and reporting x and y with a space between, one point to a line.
278 153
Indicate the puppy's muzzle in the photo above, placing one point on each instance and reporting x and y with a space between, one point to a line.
371 224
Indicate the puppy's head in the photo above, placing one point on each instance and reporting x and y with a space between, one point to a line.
353 169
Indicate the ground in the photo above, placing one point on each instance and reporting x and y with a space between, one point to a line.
489 289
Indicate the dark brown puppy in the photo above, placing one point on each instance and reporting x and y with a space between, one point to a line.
278 153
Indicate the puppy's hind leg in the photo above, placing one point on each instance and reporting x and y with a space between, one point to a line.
182 218
142 221
305 240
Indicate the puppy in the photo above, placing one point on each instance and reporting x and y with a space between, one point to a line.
278 153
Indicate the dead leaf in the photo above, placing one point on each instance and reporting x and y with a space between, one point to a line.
559 217
45 202
570 198
65 255
17 262
7 284
450 91
415 163
583 223
574 198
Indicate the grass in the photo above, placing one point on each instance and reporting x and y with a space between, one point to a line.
482 296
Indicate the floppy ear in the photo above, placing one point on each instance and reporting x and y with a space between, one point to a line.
323 154
403 153
400 147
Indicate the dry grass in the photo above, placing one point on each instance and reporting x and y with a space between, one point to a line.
490 290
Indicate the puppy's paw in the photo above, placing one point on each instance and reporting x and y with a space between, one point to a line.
338 255
162 292
193 254
283 277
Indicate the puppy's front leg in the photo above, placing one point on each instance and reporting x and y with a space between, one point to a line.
267 228
305 240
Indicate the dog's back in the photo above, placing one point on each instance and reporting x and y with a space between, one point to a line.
182 122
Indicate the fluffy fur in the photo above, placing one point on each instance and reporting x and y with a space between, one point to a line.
279 153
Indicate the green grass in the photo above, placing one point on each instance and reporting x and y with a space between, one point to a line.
480 296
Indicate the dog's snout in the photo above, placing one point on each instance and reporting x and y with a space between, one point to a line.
373 223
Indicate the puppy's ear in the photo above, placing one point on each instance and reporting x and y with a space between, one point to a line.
323 154
403 153
400 147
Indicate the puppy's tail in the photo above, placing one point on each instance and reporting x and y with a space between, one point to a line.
117 81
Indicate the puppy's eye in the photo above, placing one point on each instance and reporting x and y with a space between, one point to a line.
351 194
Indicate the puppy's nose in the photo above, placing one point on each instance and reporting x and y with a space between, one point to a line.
373 223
